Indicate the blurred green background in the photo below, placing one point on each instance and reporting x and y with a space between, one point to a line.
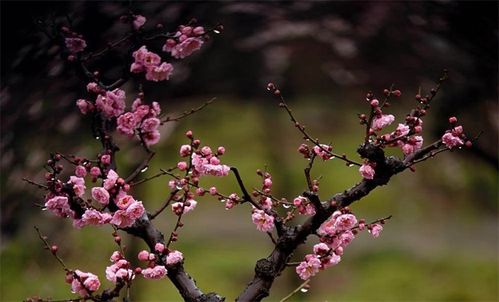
440 245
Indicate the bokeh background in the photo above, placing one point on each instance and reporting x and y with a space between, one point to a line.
442 243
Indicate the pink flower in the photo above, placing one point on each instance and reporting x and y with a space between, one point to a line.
451 141
413 144
124 201
185 150
138 21
91 217
346 238
157 272
116 256
402 130
213 191
84 106
182 208
93 87
119 271
159 247
309 267
263 221
159 73
75 45
323 151
345 222
143 255
101 195
375 230
199 30
111 178
135 210
84 283
186 47
321 249
127 123
367 171
95 171
382 121
266 203
59 205
80 171
151 138
330 260
141 111
174 257
117 100
122 219
78 185
303 206
150 124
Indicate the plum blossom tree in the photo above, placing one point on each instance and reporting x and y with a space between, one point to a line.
97 193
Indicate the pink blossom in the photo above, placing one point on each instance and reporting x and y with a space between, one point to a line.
91 217
304 207
216 170
214 160
159 247
346 238
345 222
174 257
120 270
451 141
138 21
266 203
159 73
375 230
169 44
185 150
382 121
206 151
84 106
116 256
75 45
199 30
143 255
135 210
402 130
367 171
263 221
101 195
182 208
117 99
80 171
151 138
59 205
122 219
127 123
93 87
220 150
321 249
84 283
150 124
213 191
186 47
309 267
323 151
124 201
78 185
413 144
95 171
157 272
111 178
327 227
331 260
151 59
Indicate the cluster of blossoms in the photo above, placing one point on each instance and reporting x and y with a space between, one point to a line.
321 150
66 199
263 221
304 206
120 270
82 283
154 271
74 42
142 120
454 137
202 161
335 234
186 40
150 63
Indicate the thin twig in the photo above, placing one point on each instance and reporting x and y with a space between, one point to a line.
165 204
40 186
140 168
187 113
295 291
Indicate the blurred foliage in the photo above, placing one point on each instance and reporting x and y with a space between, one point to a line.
442 243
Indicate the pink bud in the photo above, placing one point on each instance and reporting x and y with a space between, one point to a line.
159 247
143 255
213 191
182 166
220 150
199 30
452 120
375 103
